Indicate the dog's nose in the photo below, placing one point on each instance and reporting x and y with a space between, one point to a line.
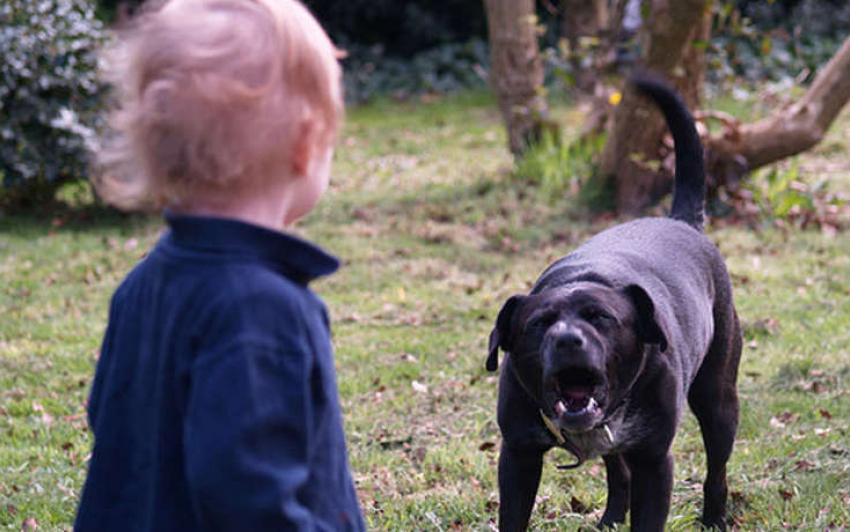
570 341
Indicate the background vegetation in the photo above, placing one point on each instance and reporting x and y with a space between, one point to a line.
49 95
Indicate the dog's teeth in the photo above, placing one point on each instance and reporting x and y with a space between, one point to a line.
560 407
591 404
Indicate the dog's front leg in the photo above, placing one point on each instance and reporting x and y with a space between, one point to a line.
651 487
619 478
519 477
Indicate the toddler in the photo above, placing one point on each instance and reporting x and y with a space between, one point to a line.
214 404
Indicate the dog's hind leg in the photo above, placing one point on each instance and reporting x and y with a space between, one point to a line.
519 477
619 479
713 398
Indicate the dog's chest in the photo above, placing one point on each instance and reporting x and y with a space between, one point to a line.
614 436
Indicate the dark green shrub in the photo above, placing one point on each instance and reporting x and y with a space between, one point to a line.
49 92
403 29
446 68
775 41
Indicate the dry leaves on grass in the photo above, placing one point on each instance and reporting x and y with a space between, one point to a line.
779 421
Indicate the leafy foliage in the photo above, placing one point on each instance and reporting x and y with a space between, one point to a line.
402 29
370 71
558 165
760 41
783 196
49 93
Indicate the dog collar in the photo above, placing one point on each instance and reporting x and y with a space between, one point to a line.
568 445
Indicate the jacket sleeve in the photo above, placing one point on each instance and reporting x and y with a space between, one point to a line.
247 435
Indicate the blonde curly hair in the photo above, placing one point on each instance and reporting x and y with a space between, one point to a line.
210 93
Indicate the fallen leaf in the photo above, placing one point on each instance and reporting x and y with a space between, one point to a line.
824 413
486 446
419 387
786 495
29 524
786 417
803 465
577 506
131 244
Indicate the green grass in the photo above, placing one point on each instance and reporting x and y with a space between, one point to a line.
435 236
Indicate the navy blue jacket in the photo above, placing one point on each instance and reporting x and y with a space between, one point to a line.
214 404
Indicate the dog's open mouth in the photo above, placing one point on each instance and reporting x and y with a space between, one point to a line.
575 399
575 402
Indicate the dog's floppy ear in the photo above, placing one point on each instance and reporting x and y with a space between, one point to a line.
500 336
648 328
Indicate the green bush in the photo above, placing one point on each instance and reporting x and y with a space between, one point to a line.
49 92
778 41
404 29
562 167
446 68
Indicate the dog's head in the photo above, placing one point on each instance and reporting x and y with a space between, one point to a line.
576 349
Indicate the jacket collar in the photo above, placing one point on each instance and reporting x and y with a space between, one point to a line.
298 259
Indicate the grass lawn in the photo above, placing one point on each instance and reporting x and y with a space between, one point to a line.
434 236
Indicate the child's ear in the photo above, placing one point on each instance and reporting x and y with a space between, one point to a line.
304 149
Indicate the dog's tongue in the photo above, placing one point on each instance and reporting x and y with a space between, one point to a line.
575 394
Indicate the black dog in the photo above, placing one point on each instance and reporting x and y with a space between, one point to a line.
601 355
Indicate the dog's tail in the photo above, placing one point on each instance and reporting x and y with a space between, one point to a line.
689 185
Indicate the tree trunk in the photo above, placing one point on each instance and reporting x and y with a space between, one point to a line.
789 131
667 44
585 24
516 71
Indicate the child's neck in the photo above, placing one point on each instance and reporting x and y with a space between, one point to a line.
267 210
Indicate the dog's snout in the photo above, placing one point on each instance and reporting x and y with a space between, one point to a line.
570 340
568 349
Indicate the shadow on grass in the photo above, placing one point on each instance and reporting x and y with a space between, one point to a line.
61 217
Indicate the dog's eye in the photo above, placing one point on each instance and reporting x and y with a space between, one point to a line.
542 321
595 316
